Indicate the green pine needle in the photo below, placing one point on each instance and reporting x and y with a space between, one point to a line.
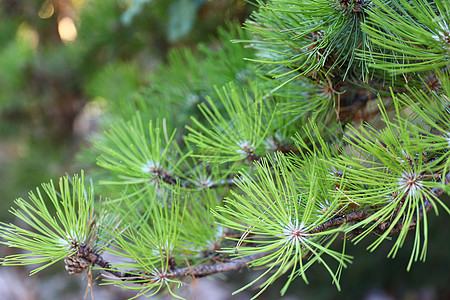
276 217
239 132
57 222
416 34
138 155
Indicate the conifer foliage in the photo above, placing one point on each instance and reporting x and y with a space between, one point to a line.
324 120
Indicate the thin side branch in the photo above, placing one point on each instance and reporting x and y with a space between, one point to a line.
206 270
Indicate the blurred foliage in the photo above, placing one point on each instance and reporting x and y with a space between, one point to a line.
53 89
182 17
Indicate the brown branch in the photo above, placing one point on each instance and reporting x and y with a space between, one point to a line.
341 220
206 270
106 266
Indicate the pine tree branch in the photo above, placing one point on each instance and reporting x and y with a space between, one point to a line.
86 256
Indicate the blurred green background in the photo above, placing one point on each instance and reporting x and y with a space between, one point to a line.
64 63
64 66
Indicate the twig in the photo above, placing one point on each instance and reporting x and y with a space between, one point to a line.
206 270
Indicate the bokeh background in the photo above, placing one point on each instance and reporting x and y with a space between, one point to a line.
63 66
